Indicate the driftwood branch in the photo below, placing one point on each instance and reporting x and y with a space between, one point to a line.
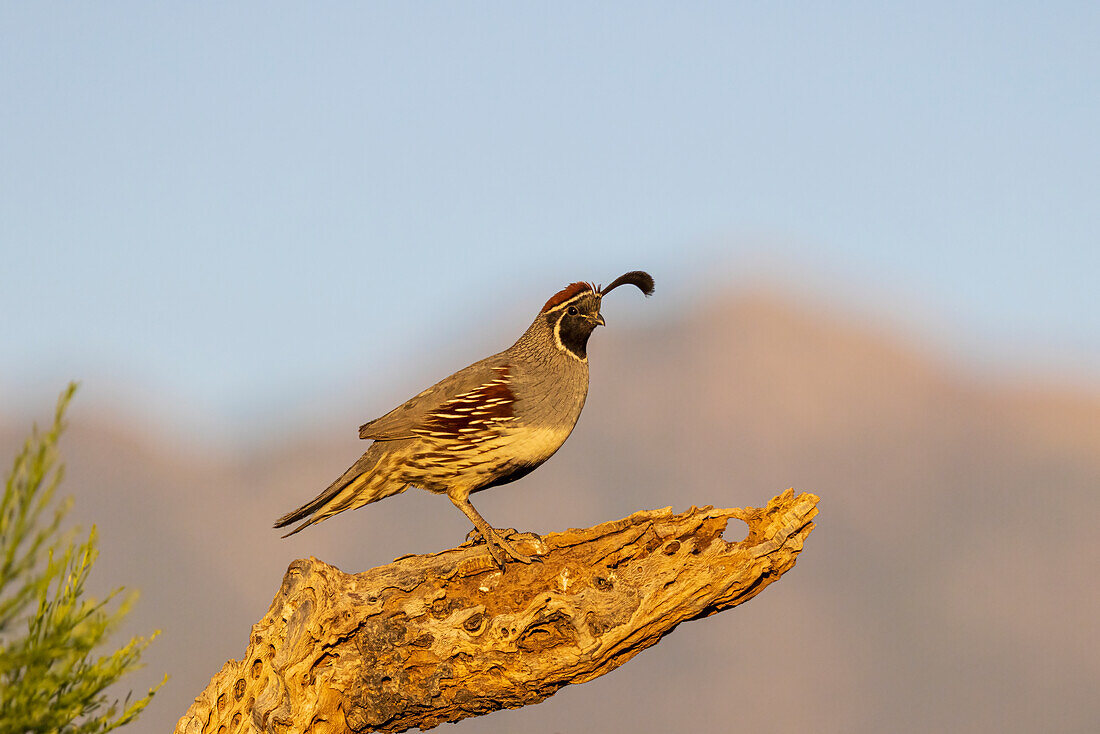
429 639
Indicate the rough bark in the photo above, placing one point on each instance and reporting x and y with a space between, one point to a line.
429 639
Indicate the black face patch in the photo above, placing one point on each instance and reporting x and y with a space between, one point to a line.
573 322
574 330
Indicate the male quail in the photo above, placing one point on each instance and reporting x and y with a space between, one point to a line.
483 426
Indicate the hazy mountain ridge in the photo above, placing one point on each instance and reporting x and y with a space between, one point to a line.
948 583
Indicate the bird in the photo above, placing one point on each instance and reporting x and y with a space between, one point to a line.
486 425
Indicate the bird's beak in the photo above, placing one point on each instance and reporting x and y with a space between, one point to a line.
599 320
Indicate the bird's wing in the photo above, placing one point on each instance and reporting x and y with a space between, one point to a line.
454 406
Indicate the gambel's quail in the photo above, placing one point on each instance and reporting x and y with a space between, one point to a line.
486 425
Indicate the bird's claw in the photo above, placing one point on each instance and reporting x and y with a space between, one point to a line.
498 547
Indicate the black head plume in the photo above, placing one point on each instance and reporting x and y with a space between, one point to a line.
640 278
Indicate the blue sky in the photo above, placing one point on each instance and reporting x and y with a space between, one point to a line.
216 202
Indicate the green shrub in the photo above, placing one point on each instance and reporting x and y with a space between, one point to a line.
51 678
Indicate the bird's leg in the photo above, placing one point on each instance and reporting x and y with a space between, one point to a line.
493 541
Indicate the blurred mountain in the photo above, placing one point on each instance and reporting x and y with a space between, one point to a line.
950 583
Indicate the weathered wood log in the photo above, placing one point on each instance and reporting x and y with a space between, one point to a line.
430 639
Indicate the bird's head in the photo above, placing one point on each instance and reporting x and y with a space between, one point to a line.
574 312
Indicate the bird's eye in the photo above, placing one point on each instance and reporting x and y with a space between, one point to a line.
572 310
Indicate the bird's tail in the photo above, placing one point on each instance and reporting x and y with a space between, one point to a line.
366 481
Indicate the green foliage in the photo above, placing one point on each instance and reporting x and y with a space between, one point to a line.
50 679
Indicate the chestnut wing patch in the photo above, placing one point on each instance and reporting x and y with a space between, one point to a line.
472 415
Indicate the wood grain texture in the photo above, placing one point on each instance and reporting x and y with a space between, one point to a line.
430 639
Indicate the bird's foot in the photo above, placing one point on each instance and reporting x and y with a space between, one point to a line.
499 548
503 545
